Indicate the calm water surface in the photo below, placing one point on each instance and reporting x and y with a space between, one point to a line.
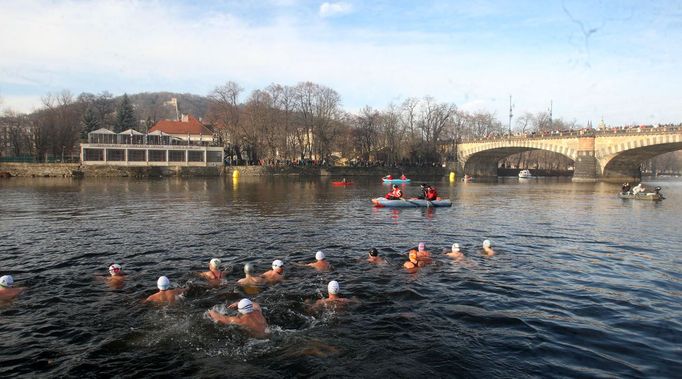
584 284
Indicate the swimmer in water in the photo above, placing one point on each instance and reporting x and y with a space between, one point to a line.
488 248
413 263
249 280
455 253
7 289
423 256
214 275
165 295
275 275
117 277
250 318
321 263
333 300
374 257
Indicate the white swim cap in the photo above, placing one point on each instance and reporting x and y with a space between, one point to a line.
248 269
333 287
319 255
245 306
115 268
487 243
6 281
215 262
163 283
277 264
421 246
455 247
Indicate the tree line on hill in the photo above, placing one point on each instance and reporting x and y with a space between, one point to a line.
305 121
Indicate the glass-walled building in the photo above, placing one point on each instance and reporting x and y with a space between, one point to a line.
132 148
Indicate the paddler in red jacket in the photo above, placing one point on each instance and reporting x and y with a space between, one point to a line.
431 194
395 194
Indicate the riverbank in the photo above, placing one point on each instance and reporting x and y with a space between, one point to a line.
75 170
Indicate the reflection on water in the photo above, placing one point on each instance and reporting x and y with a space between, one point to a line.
584 283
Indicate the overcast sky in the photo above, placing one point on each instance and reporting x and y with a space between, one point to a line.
619 60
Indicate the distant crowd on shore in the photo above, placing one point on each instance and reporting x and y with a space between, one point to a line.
315 163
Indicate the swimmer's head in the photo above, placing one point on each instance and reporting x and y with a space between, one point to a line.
245 306
163 283
422 246
413 256
395 186
373 252
248 269
214 263
7 281
277 265
319 255
115 269
455 248
333 287
487 244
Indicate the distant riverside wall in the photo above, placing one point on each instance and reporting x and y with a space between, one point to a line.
76 170
66 170
38 169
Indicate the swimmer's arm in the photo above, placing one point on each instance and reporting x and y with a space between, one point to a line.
233 305
215 315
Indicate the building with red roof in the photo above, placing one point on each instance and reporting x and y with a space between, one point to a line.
188 128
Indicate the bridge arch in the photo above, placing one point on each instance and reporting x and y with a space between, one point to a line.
481 159
621 160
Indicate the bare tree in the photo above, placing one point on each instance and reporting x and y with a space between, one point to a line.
224 112
366 131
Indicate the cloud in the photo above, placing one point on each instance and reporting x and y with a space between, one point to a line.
334 9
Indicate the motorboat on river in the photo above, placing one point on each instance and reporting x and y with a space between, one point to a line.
654 195
410 203
525 174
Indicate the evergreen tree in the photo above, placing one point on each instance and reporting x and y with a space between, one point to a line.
125 116
90 122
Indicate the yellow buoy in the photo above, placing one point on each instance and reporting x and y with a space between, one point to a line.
452 176
235 174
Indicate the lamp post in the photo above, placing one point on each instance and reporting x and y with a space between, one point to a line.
510 114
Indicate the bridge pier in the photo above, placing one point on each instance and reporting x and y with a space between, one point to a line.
586 164
481 169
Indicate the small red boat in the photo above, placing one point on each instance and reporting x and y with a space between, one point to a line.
342 183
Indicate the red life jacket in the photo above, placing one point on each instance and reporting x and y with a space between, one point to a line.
431 194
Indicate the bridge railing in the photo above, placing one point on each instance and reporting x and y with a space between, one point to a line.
634 131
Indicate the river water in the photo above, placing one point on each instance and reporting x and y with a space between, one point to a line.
584 284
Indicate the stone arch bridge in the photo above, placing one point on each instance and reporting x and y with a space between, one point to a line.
613 155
